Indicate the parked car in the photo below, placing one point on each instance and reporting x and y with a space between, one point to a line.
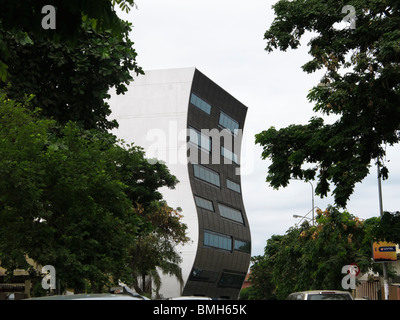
320 295
190 298
90 296
124 294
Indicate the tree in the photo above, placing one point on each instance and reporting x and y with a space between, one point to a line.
27 18
62 199
70 79
312 257
261 277
155 250
71 82
142 178
69 189
387 228
361 85
68 15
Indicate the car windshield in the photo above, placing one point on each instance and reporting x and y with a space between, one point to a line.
328 296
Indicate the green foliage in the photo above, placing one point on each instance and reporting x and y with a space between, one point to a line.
28 17
156 249
71 82
20 20
360 85
261 277
63 202
70 191
315 143
124 4
387 228
312 257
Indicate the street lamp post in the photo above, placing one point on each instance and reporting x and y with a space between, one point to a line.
305 216
312 204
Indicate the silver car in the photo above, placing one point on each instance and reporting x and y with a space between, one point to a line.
190 298
118 293
320 295
84 296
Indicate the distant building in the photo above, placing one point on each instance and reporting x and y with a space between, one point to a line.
247 282
183 118
370 284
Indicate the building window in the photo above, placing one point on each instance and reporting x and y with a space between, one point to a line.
233 185
242 246
200 103
217 240
230 213
200 140
229 155
204 203
228 123
203 275
231 280
206 174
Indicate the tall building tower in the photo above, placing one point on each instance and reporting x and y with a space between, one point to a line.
183 118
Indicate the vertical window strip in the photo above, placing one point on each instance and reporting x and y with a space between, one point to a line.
233 185
242 245
204 203
230 213
203 275
207 175
217 240
200 103
199 139
228 123
229 155
231 280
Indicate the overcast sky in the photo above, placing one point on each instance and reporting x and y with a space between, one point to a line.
224 40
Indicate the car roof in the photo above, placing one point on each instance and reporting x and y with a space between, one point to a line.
84 296
322 292
190 298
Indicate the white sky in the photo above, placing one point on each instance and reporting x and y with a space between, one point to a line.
224 40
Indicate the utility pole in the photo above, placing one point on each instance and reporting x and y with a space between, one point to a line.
385 274
312 201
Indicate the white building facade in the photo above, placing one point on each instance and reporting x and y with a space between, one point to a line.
181 117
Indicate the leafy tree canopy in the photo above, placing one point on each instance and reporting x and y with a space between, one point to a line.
70 191
67 197
69 79
312 257
27 16
361 85
388 228
157 248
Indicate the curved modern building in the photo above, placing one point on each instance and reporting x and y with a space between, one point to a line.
183 118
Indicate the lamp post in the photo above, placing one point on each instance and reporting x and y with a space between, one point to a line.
305 216
302 217
312 203
297 216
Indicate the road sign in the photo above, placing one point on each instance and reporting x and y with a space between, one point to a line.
384 251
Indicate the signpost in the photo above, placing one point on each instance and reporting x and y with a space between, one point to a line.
384 251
